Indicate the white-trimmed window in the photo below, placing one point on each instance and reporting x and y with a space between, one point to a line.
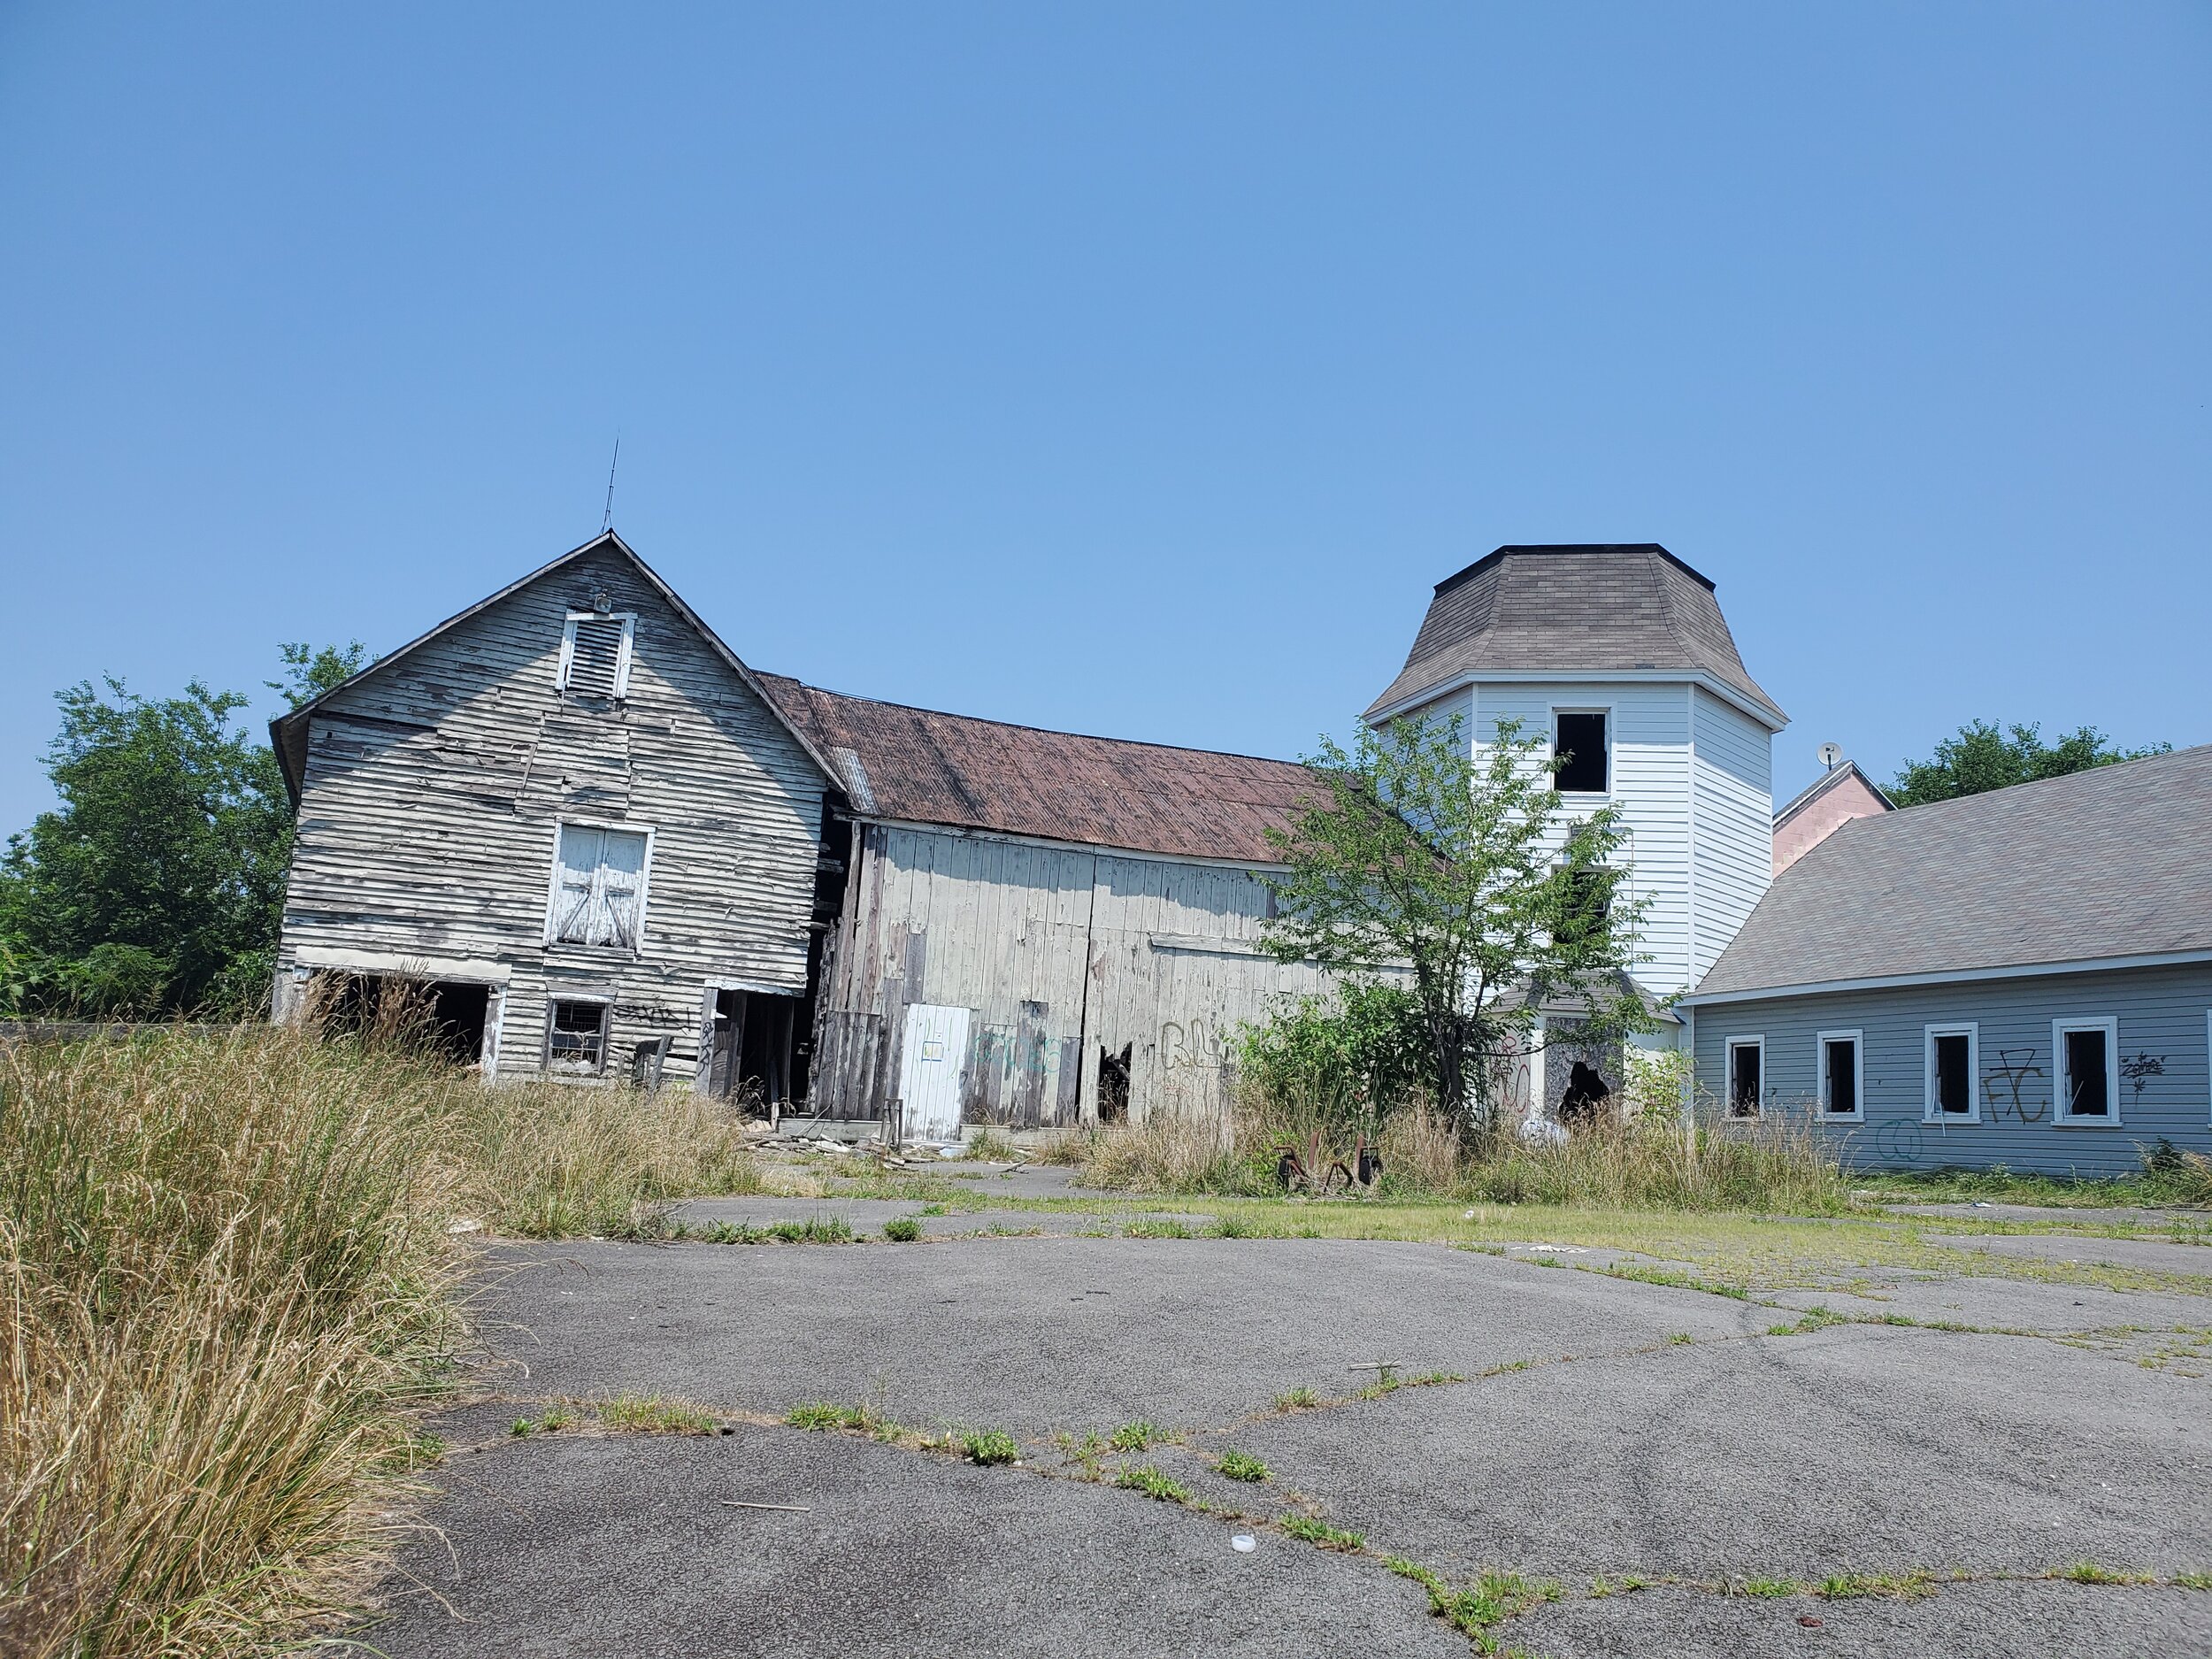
1953 1061
1839 1056
1582 742
598 897
595 653
576 1035
2085 1071
1747 1075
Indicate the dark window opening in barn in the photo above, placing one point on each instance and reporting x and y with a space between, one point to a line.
445 1016
1578 740
1954 1065
1745 1065
1839 1075
1113 1084
576 1037
2087 1058
749 1052
596 656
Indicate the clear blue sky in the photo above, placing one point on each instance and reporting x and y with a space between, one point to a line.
1128 369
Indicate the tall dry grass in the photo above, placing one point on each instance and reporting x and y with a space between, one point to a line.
226 1280
1774 1165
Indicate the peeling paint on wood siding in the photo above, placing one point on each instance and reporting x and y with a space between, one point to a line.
1058 952
432 793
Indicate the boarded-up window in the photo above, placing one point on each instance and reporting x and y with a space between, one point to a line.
576 1036
1578 740
596 655
599 888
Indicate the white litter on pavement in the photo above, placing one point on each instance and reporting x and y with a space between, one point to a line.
1244 1543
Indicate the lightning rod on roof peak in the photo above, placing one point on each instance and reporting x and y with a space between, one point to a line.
606 519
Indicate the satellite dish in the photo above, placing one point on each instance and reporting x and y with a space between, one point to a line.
1830 755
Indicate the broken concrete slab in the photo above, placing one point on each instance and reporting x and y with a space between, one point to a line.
1852 1447
2004 1305
629 1546
2151 1254
1964 1621
1041 1334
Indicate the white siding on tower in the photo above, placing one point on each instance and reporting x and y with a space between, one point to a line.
1649 727
1732 800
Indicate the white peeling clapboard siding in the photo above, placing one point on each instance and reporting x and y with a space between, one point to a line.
1060 953
429 811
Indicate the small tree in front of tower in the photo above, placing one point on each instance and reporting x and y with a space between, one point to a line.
1459 874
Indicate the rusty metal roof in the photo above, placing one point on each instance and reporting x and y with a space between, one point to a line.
925 767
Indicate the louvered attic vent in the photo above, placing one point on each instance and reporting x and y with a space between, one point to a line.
595 655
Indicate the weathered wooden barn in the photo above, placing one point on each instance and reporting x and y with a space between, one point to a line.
609 848
1038 928
573 812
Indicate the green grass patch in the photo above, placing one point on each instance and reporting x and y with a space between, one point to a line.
1301 1399
1145 1478
990 1448
1478 1609
903 1229
1135 1437
1320 1533
1155 1228
1240 1466
550 1421
1897 1586
636 1414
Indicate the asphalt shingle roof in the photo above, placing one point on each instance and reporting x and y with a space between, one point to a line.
1572 610
2116 862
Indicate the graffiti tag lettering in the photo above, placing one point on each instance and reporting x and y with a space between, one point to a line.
2010 1074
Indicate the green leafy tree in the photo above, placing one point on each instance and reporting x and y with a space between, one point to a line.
1353 1057
1460 876
157 886
1982 757
309 672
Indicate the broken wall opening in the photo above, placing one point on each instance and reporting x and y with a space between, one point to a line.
449 1017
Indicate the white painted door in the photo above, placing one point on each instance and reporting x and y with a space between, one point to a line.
930 1065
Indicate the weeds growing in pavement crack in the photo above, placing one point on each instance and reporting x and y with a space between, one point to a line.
990 1448
1476 1611
1322 1534
1145 1478
1240 1466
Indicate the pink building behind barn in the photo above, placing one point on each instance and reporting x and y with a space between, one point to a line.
1842 794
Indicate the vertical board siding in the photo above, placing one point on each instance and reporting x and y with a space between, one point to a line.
1732 796
428 814
2163 1020
1058 952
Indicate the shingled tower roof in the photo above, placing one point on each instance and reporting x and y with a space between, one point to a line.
1595 609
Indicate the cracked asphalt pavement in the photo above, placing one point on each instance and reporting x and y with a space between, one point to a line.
1582 1428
